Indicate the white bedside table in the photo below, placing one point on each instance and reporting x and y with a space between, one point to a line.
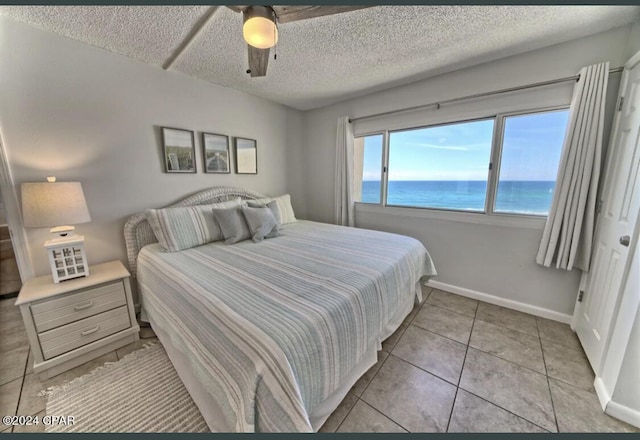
77 320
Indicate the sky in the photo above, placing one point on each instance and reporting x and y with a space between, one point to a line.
531 150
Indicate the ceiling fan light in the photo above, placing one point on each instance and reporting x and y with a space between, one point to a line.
259 29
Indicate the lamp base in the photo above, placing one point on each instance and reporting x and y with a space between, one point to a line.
67 258
63 231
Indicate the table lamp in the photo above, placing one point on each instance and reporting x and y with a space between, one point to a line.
58 205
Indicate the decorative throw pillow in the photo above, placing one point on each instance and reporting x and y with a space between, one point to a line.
262 223
284 211
187 226
272 205
233 225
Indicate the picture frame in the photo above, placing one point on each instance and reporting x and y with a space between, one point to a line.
246 151
179 150
215 153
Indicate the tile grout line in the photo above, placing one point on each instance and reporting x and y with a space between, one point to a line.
466 351
358 398
544 361
539 338
504 409
485 321
382 414
373 408
450 310
467 346
422 369
478 349
509 328
439 334
482 398
376 373
347 414
511 362
24 375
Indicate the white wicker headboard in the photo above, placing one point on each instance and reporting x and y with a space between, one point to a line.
138 233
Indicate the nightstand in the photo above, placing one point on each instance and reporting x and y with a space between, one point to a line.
77 320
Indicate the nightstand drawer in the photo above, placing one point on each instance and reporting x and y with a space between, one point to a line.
60 311
66 338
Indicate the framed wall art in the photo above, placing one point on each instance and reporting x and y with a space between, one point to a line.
215 153
246 156
179 150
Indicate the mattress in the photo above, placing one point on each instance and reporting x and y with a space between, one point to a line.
270 332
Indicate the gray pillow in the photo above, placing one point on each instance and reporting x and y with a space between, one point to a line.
272 205
234 227
262 223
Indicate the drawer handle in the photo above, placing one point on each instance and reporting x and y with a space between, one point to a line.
90 330
83 306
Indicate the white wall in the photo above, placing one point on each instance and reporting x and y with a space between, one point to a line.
633 44
488 258
82 113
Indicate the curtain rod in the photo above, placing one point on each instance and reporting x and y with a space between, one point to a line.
479 95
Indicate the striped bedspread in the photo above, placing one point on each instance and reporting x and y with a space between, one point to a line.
273 328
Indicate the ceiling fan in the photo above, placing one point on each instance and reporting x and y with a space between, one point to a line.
260 30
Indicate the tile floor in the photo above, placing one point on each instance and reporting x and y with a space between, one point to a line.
460 365
455 365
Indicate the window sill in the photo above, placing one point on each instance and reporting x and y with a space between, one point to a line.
505 220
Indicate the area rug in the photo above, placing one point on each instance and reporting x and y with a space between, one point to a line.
140 393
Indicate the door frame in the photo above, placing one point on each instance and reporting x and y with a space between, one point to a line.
17 233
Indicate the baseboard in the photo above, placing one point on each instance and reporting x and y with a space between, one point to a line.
624 413
601 391
615 409
499 301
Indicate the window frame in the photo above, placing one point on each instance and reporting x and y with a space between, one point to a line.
383 169
493 167
498 159
442 124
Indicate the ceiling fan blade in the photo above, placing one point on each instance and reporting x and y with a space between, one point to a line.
287 14
258 60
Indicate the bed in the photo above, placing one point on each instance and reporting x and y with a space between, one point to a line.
270 336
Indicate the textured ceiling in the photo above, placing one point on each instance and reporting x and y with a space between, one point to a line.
326 59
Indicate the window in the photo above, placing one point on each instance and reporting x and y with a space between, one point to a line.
531 147
368 160
443 167
505 164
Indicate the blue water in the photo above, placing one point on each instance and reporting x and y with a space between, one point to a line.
522 197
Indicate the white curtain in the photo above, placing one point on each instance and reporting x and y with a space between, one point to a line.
344 207
568 233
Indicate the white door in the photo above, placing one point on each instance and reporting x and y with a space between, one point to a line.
616 224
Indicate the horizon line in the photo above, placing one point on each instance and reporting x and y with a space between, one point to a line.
450 180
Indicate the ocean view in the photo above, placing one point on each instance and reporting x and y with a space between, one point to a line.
522 197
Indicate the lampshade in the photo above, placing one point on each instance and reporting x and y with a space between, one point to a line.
47 204
259 29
